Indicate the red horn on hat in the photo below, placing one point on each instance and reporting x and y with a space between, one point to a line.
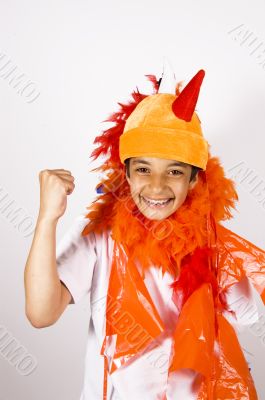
184 105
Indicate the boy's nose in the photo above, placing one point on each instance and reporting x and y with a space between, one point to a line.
157 183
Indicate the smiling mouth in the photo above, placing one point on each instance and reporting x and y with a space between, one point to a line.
156 203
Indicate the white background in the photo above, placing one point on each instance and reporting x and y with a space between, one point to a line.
84 57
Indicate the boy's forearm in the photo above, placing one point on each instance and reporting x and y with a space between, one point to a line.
42 283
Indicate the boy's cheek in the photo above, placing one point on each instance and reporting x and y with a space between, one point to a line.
136 188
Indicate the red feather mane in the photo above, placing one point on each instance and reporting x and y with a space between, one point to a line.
186 250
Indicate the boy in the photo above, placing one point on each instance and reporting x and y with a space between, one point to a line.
163 274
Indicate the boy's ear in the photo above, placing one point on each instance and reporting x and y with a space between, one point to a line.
193 183
126 176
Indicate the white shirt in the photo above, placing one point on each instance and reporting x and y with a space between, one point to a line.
83 265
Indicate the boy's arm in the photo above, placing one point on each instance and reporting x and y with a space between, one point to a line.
45 299
46 296
240 254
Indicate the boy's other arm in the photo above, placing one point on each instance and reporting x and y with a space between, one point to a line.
45 295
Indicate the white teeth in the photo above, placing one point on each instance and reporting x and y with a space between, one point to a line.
157 201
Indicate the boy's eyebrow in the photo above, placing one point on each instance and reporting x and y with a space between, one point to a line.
174 164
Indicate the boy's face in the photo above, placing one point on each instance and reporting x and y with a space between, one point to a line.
161 179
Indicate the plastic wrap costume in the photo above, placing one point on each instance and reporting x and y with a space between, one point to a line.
205 258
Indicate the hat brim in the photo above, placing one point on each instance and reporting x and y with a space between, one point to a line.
164 143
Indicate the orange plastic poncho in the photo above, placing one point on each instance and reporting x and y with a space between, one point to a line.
206 259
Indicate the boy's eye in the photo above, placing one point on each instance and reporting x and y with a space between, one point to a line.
177 172
142 169
138 169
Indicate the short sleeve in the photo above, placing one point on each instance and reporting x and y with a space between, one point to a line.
76 257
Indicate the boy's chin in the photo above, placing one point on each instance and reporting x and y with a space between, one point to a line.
156 215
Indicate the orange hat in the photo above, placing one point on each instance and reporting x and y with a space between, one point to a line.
164 125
